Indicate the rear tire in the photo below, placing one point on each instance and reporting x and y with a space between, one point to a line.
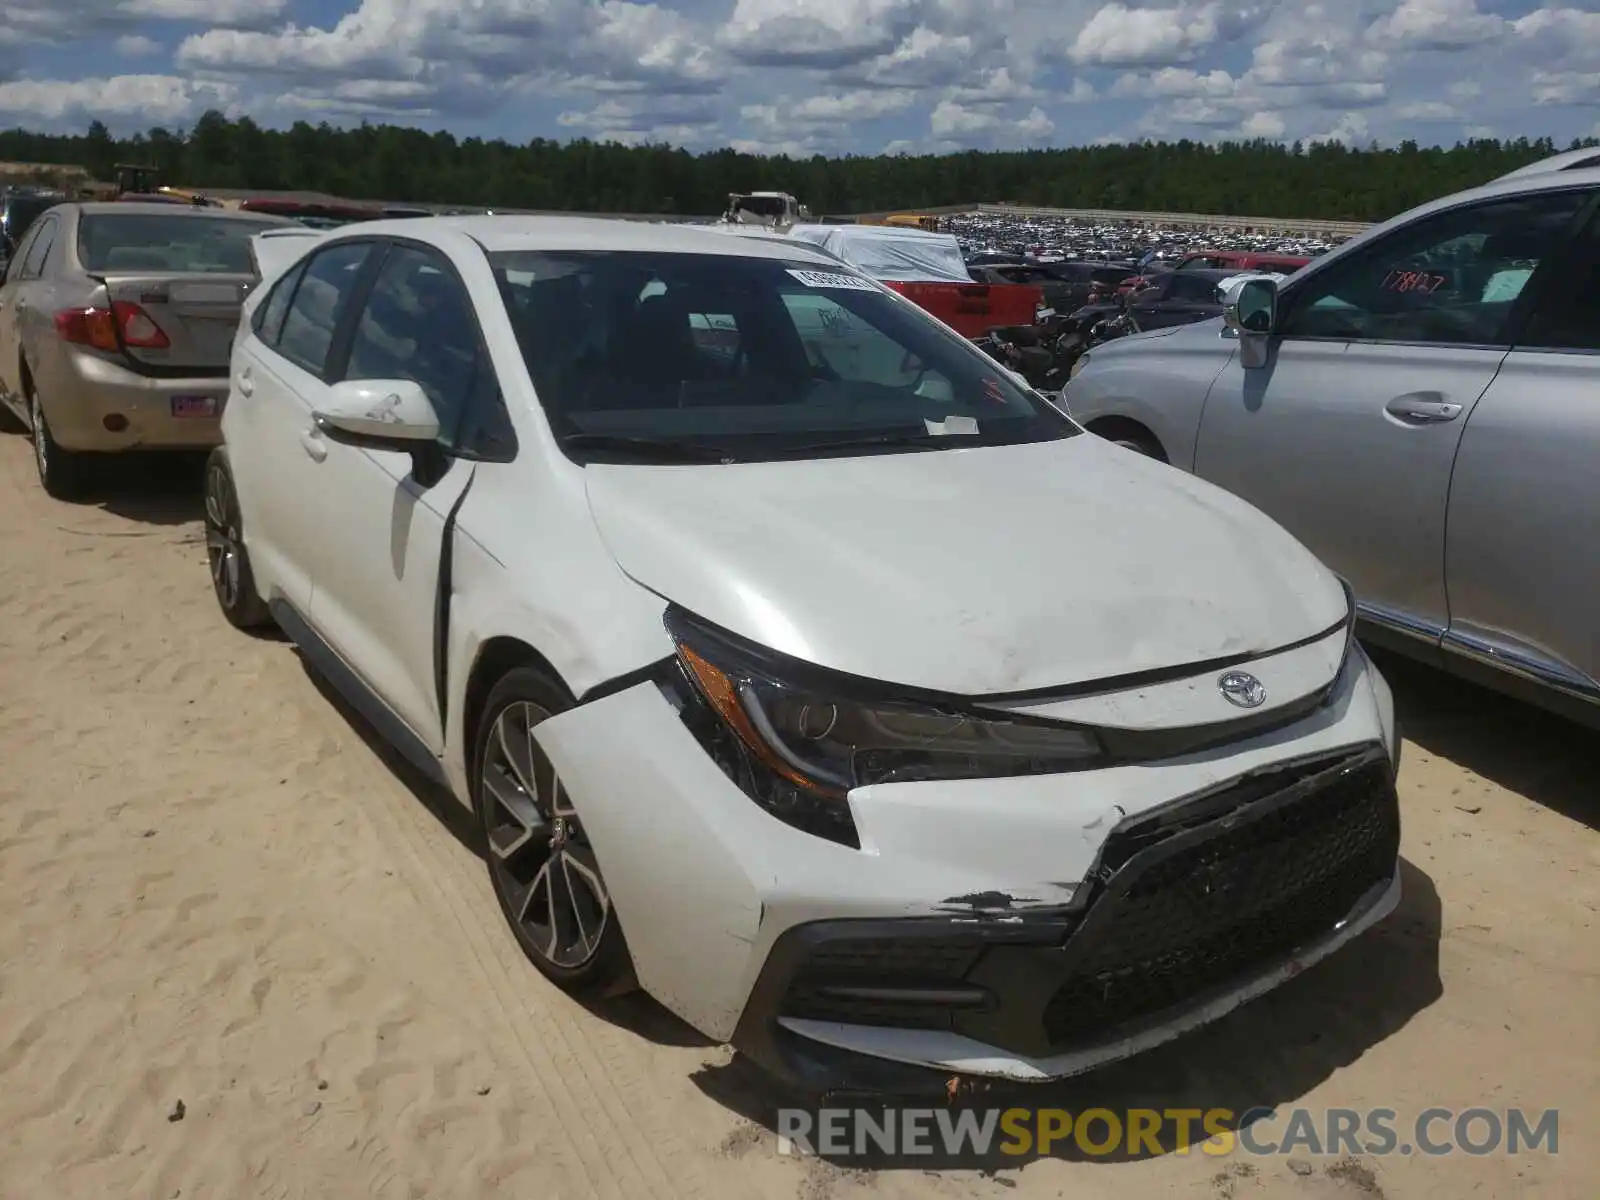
541 865
64 474
232 581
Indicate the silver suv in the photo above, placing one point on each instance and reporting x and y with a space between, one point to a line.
1421 407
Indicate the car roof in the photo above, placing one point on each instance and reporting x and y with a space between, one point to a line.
1569 160
497 234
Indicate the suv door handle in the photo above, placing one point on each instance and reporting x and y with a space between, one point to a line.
246 385
1422 409
311 441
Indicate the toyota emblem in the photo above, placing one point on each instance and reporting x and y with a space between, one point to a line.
1242 689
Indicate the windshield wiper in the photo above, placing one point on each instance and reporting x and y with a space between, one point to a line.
658 449
891 441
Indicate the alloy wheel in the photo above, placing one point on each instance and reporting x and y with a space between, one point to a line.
541 861
223 548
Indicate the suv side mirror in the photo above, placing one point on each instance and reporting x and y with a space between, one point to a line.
1253 308
1252 313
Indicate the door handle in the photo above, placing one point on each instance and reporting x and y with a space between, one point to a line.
246 385
311 442
1423 409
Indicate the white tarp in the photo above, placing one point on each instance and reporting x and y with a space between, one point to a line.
890 254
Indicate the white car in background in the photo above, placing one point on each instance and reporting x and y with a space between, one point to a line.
903 727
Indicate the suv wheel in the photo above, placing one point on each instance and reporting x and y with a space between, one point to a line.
541 864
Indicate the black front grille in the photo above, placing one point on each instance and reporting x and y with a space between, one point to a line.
1214 901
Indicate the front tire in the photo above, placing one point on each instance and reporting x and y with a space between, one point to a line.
232 581
543 869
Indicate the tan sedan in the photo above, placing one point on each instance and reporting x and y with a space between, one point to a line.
116 325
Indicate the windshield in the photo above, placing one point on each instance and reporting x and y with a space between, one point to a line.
754 357
179 242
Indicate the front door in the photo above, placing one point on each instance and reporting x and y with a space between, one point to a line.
1348 433
377 597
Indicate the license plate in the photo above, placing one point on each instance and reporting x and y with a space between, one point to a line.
194 406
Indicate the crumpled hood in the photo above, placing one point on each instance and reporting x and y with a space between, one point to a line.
981 571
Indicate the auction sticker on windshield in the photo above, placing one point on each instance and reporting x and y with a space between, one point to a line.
831 279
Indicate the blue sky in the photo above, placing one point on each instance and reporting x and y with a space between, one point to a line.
810 76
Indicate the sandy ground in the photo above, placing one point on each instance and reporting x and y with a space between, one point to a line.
215 890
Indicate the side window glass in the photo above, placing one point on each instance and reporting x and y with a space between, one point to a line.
1568 314
33 265
319 301
1448 279
268 322
418 324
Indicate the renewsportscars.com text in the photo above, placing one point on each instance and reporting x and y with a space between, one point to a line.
1138 1132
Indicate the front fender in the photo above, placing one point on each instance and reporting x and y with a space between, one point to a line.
1160 383
488 602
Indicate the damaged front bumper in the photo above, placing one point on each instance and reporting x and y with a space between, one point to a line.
1181 889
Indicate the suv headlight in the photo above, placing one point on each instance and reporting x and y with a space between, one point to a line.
798 737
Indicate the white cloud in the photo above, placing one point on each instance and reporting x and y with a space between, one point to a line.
831 76
1566 87
134 45
1351 129
1262 125
1118 35
156 99
624 120
1426 110
826 33
1436 25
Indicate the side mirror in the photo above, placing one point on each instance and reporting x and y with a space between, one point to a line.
386 414
379 414
1253 307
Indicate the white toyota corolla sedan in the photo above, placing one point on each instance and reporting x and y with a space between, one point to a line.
798 662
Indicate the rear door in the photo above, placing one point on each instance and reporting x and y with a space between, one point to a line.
31 314
281 372
10 295
1520 560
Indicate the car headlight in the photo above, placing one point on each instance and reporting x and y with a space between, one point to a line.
802 736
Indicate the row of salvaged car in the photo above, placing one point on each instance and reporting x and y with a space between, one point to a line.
798 662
